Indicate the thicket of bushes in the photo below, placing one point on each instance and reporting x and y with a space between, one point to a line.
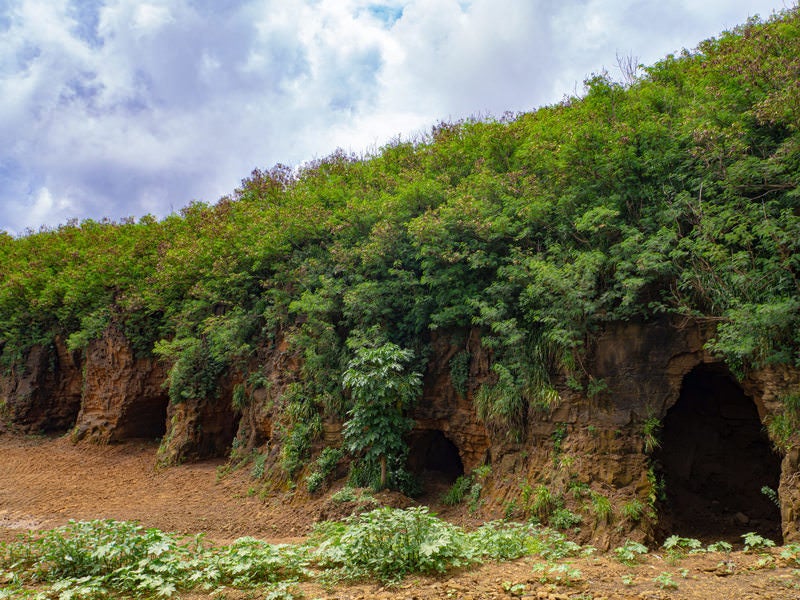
674 193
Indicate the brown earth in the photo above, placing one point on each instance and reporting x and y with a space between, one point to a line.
46 481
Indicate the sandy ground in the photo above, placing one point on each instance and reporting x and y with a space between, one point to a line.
44 482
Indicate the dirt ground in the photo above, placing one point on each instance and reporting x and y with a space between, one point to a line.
44 482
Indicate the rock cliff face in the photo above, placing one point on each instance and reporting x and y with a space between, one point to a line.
44 394
450 412
660 437
123 397
671 431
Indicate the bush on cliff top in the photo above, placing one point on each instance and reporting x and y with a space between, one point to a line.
676 193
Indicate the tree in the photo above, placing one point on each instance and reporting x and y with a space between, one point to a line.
382 389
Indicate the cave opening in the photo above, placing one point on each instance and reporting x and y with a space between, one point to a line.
144 419
714 460
434 459
228 435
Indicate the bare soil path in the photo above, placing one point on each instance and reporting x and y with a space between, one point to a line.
44 482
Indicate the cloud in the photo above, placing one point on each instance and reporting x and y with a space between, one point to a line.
126 107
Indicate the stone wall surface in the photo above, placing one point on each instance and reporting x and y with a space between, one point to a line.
123 396
442 408
590 443
43 394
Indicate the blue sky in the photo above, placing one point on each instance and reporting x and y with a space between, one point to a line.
117 108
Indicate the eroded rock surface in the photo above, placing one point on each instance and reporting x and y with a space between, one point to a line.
593 443
44 394
123 396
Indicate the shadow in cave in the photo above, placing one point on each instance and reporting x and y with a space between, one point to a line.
715 457
435 460
145 419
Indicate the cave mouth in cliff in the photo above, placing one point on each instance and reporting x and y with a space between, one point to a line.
715 458
434 459
147 419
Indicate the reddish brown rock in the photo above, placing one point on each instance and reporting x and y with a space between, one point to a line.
592 443
43 394
198 429
443 409
123 396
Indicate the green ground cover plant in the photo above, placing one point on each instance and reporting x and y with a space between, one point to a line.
389 544
111 559
678 547
630 552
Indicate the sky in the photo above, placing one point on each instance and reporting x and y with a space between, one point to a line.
123 108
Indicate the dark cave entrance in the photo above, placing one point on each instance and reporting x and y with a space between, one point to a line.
144 419
217 423
714 458
434 459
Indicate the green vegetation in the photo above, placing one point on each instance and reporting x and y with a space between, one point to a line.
563 518
458 491
720 546
349 494
459 372
677 547
541 502
675 193
112 559
753 541
391 543
633 510
791 554
630 552
650 432
259 460
772 495
603 509
665 581
557 574
514 589
558 437
324 466
109 559
784 427
383 391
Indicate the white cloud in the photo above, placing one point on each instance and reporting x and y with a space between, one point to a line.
149 17
45 206
122 107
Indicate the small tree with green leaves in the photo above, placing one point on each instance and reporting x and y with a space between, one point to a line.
383 389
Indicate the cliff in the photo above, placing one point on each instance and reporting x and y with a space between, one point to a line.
666 440
518 271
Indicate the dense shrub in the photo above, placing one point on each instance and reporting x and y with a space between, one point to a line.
671 194
389 544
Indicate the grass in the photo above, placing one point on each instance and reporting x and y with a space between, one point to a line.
458 491
542 502
602 508
633 510
651 428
